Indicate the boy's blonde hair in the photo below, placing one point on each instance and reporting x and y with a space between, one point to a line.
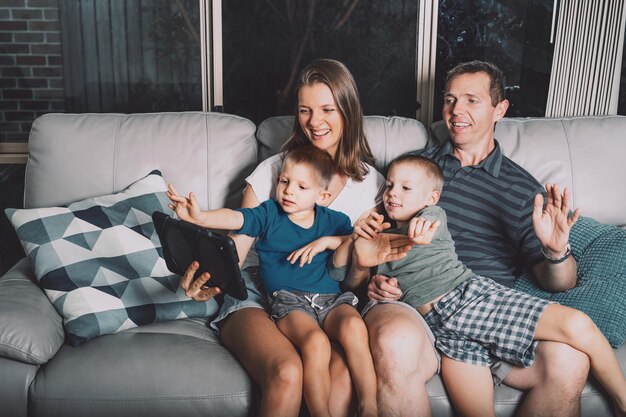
429 167
318 160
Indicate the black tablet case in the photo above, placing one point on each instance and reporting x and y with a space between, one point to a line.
184 242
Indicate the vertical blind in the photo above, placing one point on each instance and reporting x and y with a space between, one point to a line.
587 59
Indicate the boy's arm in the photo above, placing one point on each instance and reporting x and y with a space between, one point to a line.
222 219
307 252
188 209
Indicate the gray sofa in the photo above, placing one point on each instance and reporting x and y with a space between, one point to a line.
179 367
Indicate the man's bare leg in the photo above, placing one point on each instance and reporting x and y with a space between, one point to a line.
554 381
404 360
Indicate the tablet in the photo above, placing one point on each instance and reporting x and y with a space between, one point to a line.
184 242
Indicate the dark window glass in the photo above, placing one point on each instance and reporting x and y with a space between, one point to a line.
96 56
266 44
513 34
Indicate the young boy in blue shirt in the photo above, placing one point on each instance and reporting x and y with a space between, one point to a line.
296 237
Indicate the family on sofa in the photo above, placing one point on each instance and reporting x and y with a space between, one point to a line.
502 230
491 213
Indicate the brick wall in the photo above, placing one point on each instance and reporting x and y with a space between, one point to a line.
31 65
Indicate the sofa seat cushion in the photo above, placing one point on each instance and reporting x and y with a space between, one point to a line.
600 251
144 372
100 262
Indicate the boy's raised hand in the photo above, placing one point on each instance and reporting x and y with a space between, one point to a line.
307 252
421 231
370 226
186 208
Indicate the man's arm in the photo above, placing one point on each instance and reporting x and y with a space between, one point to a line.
385 247
552 226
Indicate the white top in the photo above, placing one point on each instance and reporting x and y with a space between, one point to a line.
354 199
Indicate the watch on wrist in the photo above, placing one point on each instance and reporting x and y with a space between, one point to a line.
552 260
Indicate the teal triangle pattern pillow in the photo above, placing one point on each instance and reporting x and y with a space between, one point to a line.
600 251
100 261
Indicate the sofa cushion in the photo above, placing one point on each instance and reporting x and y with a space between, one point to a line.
32 331
100 262
600 251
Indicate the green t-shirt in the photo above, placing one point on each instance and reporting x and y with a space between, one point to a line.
427 271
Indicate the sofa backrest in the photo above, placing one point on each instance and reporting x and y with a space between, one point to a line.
76 156
583 153
388 137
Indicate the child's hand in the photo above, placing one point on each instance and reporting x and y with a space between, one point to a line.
306 253
369 227
421 230
186 208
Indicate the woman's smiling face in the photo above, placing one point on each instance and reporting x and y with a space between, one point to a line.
319 117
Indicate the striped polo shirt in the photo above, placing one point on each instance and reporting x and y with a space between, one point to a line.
489 208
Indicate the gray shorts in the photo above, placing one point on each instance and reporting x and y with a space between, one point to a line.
315 305
499 369
482 322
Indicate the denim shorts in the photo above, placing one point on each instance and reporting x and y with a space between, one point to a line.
317 306
257 297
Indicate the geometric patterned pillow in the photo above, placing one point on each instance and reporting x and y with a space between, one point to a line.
100 261
600 252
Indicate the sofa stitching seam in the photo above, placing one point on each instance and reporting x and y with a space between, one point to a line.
115 143
571 162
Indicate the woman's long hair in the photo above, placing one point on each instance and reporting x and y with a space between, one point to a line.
353 150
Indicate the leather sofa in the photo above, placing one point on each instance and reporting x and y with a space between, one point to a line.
179 367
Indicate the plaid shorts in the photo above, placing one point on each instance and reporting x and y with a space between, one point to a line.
315 305
481 322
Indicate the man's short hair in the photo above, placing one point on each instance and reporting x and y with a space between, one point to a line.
430 168
318 160
496 77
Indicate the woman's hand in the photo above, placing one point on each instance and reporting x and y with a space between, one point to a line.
381 288
306 253
196 289
186 208
421 231
369 227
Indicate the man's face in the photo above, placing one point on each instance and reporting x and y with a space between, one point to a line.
467 109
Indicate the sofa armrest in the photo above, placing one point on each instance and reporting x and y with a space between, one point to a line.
31 330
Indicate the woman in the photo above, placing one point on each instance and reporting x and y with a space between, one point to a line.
329 116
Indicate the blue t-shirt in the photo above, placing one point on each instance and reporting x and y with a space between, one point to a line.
279 236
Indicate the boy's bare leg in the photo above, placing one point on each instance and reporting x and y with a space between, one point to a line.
341 388
345 325
567 325
305 333
470 387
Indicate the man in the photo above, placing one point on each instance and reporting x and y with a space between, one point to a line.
495 216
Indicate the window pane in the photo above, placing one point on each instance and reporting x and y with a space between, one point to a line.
513 34
266 44
96 56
